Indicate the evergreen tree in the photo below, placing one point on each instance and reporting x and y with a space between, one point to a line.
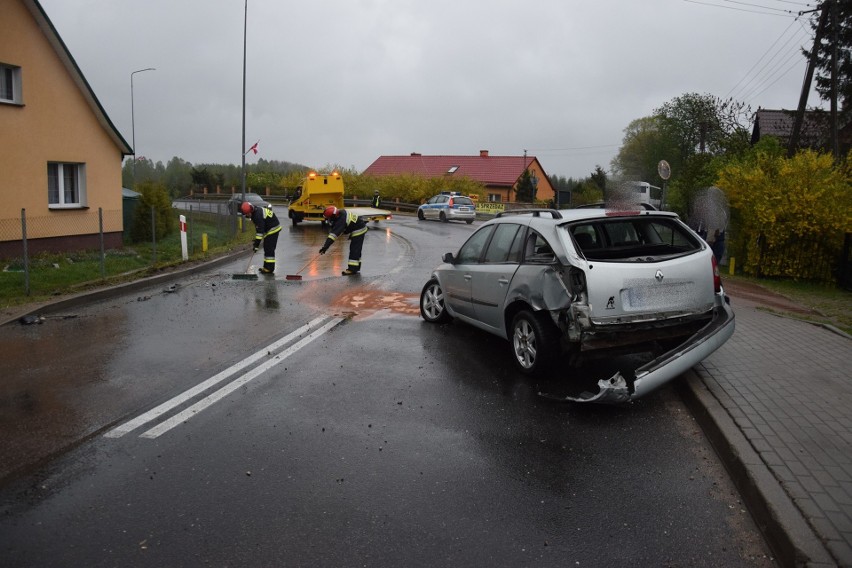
525 190
839 20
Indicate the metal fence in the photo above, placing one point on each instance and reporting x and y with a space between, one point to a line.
96 236
813 259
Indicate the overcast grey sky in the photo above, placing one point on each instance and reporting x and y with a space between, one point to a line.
341 82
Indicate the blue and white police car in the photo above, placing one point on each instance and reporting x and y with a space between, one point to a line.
448 206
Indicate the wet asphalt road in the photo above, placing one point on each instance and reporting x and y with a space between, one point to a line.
378 440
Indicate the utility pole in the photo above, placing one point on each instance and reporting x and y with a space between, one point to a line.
835 27
245 34
806 86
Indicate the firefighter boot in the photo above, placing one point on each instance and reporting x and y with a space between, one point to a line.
349 272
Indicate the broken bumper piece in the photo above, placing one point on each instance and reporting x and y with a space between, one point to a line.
651 376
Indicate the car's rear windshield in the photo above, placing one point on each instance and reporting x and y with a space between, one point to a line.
458 200
632 238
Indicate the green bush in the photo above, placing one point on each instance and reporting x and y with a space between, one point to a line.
153 196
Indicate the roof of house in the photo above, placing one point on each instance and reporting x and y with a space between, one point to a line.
489 170
64 55
779 123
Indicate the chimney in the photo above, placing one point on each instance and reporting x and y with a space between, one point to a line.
415 153
483 153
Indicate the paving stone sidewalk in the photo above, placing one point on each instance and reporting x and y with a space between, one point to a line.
779 394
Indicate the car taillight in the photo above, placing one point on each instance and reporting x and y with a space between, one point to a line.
450 202
717 278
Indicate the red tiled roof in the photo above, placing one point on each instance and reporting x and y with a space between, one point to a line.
489 170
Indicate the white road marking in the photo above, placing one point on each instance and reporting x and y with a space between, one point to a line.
154 413
210 399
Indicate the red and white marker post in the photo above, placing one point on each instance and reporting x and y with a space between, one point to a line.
183 247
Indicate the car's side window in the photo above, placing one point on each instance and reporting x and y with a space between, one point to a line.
501 243
471 251
537 250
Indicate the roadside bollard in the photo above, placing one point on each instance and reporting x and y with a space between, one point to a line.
183 247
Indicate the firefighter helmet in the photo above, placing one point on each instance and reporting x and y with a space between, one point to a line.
246 208
330 212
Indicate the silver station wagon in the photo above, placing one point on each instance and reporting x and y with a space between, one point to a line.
569 286
448 206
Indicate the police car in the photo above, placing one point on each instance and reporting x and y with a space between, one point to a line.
448 206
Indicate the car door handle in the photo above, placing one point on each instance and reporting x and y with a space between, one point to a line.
468 276
503 281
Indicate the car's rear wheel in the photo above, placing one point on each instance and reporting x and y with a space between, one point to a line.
443 217
420 214
534 342
468 221
432 306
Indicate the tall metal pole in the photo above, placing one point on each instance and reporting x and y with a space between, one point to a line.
133 119
245 29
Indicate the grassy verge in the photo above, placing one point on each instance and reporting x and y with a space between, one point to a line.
51 275
833 303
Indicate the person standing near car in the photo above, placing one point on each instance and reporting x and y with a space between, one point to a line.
377 199
345 223
267 228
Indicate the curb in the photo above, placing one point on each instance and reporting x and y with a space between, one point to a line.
791 539
112 291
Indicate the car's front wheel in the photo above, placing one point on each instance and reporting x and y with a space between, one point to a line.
534 342
432 306
420 214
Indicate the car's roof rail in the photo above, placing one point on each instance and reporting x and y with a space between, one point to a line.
535 212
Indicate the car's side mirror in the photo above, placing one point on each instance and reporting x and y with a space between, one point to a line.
449 258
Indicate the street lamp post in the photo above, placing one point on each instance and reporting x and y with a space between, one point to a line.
133 120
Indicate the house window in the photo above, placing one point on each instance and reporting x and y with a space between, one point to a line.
66 185
10 84
452 170
494 198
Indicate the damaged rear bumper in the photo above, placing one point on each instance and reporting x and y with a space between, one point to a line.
668 366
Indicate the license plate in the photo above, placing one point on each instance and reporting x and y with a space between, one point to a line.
656 296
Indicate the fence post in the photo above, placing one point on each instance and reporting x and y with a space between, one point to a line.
26 257
191 223
153 236
101 234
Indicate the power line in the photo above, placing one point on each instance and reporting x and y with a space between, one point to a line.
769 69
790 15
781 76
757 6
805 4
771 47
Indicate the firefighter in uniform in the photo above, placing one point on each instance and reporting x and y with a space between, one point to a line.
377 199
346 223
267 228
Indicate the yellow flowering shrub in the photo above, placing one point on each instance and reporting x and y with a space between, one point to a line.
779 203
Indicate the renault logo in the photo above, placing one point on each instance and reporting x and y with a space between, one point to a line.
659 276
